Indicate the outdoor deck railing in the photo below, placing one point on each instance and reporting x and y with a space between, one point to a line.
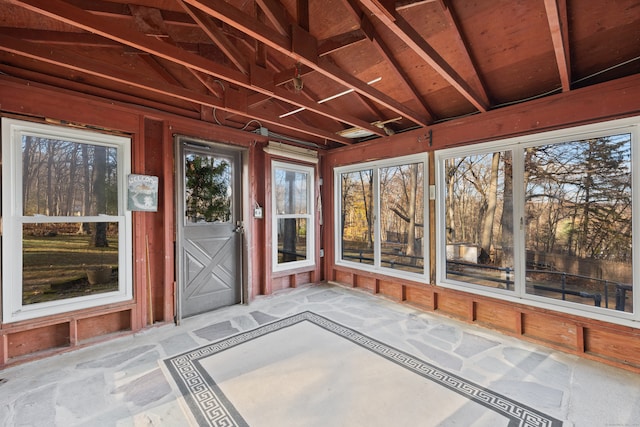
620 288
508 280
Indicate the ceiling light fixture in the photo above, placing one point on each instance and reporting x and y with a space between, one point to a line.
337 95
356 132
298 84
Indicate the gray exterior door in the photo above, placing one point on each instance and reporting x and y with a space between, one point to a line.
209 229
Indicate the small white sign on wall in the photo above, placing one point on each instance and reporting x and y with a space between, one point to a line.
142 193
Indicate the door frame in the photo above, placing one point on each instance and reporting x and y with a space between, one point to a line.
243 201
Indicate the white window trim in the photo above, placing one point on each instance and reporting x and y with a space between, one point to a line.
517 146
421 158
12 218
309 216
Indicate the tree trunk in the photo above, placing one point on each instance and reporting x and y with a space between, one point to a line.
99 193
492 200
289 232
411 232
507 212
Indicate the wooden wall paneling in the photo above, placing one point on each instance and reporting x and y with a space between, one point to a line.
36 100
257 228
47 337
304 278
268 235
278 283
421 297
391 289
140 292
498 316
328 207
4 349
580 338
551 329
73 332
613 345
100 325
344 277
167 191
454 305
155 221
365 282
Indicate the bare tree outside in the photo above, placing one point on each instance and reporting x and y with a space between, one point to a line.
63 180
576 224
400 210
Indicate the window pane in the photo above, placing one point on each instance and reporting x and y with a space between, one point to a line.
291 192
63 178
292 240
59 261
207 188
578 221
402 217
479 219
357 216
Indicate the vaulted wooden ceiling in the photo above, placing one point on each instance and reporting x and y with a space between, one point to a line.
309 70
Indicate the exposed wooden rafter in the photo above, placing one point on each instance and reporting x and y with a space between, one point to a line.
302 47
369 30
220 39
402 29
69 14
133 79
558 25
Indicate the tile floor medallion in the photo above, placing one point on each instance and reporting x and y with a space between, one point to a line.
308 370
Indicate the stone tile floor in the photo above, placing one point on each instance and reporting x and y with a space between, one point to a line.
120 383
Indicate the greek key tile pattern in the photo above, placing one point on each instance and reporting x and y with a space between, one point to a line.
210 407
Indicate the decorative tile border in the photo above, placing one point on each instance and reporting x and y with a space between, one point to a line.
210 407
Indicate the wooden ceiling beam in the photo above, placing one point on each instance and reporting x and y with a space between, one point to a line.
150 22
340 41
276 15
60 37
559 27
366 26
402 76
408 4
302 47
130 78
64 12
447 9
302 9
217 36
100 69
402 29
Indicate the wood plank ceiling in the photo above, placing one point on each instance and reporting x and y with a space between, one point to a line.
320 72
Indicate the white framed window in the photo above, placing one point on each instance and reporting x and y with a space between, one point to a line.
293 215
66 231
544 219
382 216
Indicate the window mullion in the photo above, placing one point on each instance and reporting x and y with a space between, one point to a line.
519 250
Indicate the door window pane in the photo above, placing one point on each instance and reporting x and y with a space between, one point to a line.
357 216
578 221
402 217
208 189
479 219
